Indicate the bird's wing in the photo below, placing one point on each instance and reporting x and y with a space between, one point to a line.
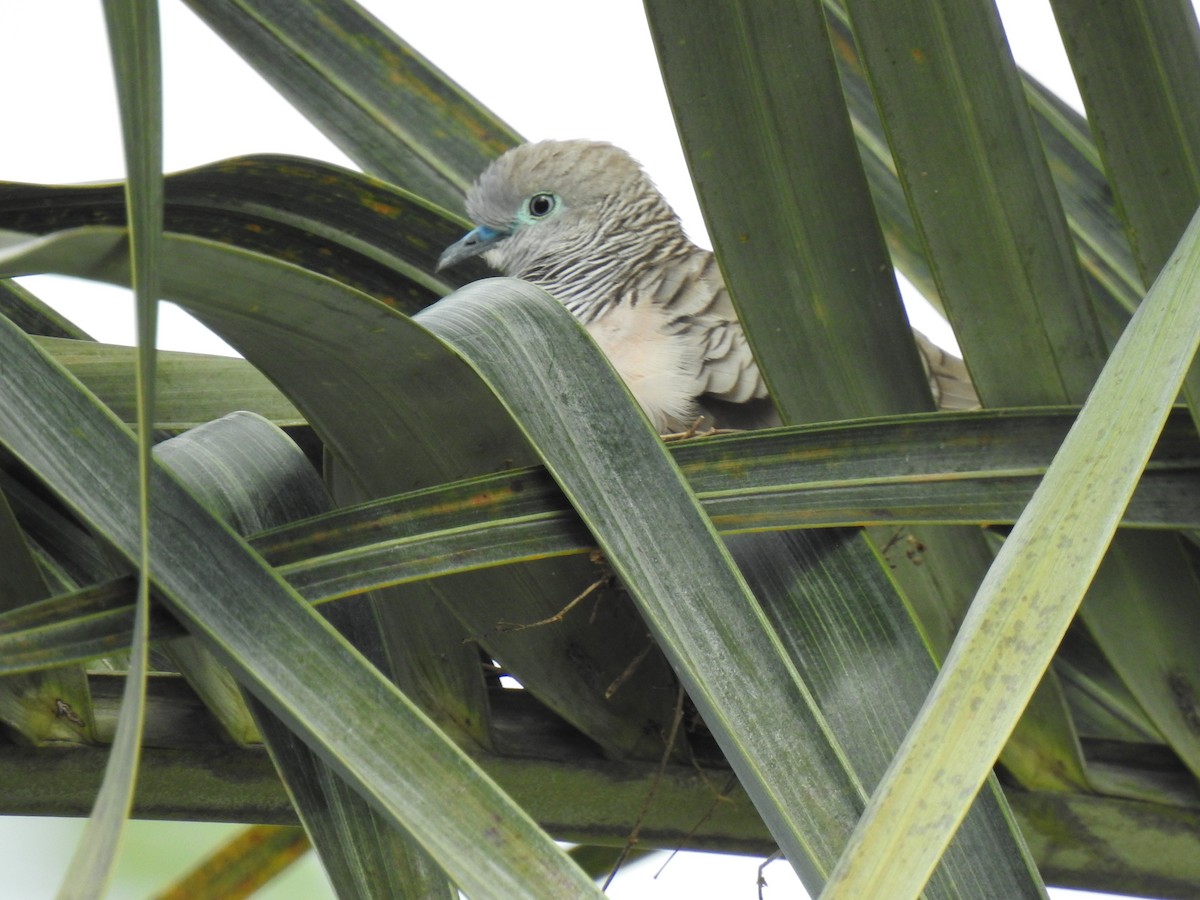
691 291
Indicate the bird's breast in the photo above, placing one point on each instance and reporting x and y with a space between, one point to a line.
659 367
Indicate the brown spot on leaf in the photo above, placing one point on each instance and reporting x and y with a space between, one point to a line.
1184 692
63 710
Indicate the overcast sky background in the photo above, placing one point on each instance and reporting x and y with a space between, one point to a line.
551 69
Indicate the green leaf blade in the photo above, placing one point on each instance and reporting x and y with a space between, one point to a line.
1029 595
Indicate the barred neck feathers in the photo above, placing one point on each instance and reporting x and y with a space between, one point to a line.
594 271
581 219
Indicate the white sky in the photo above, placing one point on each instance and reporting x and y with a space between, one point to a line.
543 65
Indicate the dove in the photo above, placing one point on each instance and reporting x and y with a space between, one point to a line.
584 221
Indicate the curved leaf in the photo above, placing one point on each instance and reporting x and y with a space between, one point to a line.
408 769
1029 596
362 231
368 91
192 388
252 476
607 460
366 352
134 45
809 477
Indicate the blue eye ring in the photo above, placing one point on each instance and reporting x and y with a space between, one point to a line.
541 205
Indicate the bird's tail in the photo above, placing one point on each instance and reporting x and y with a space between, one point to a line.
948 377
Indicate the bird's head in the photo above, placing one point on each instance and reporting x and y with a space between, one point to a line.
552 204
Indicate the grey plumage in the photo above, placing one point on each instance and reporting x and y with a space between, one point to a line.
582 220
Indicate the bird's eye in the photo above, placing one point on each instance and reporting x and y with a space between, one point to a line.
541 205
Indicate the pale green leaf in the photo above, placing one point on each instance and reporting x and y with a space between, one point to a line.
1029 596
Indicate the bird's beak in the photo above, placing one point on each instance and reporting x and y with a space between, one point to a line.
471 244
